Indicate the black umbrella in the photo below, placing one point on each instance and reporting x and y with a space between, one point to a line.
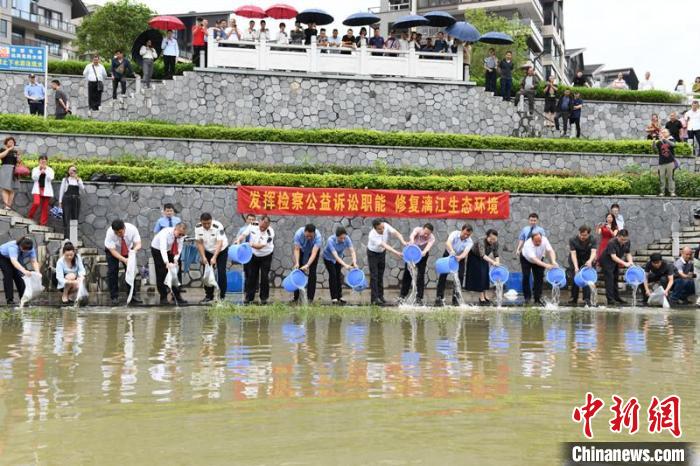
316 16
361 19
156 38
410 21
496 38
440 19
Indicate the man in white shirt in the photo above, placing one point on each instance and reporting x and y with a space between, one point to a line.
647 84
95 75
251 33
262 240
693 118
377 245
534 251
282 36
619 219
424 238
121 240
334 39
212 245
171 50
458 244
166 248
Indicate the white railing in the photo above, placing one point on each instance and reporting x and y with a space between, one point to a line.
266 56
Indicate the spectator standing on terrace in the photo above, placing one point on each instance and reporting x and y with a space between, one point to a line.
35 94
264 33
282 36
69 198
10 156
665 147
262 239
683 278
424 238
361 40
490 66
61 98
674 126
580 80
440 45
251 33
149 55
333 255
693 118
232 32
505 68
199 46
619 219
404 44
42 192
647 84
607 231
217 32
308 243
334 40
170 53
310 32
619 83
348 40
550 101
376 41
414 41
322 40
653 129
466 59
680 87
392 43
528 89
377 245
575 118
95 75
428 46
297 34
120 67
564 108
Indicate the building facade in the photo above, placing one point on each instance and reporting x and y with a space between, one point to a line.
543 18
41 23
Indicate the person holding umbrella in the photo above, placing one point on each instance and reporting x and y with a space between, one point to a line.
310 32
149 55
171 51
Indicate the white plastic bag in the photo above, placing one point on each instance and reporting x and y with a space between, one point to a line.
32 288
82 295
658 298
171 280
209 278
130 275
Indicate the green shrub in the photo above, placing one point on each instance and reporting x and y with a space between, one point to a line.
75 68
28 123
617 95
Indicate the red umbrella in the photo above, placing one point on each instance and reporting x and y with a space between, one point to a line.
250 11
166 23
281 11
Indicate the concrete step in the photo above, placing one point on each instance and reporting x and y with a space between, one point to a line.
15 221
39 229
87 251
54 236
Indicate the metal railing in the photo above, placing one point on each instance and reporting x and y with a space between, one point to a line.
44 21
54 49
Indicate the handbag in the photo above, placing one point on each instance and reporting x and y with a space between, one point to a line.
100 84
21 170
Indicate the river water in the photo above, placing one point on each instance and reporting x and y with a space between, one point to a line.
324 388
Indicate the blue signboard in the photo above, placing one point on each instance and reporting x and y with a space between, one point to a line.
23 58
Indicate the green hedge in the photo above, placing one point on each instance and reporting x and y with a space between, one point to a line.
75 68
28 123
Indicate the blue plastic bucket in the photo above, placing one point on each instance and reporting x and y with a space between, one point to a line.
446 265
412 254
355 278
499 274
556 277
234 281
585 276
635 275
361 287
295 281
241 253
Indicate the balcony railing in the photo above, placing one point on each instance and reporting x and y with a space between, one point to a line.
535 30
54 49
333 60
44 21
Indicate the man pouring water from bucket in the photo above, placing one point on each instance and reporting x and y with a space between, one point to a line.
307 245
582 251
534 251
453 261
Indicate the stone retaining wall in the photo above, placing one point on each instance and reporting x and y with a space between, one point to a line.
140 204
197 152
288 100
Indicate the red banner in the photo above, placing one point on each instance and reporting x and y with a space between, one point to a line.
372 203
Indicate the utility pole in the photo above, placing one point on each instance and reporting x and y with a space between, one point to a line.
414 7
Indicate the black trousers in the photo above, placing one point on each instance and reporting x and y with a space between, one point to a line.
576 122
575 289
442 280
112 274
335 279
259 273
565 117
420 280
11 275
611 276
169 66
537 279
71 211
115 84
220 273
94 96
36 108
161 272
196 53
311 285
491 77
377 264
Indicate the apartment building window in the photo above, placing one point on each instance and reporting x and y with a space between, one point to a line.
435 3
54 45
3 28
50 17
395 5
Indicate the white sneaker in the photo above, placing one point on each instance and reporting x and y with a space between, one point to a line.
697 303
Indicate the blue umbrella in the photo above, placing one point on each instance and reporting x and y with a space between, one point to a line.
463 31
362 18
440 19
313 15
496 38
410 21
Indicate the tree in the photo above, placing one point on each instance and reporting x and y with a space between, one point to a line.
485 22
113 26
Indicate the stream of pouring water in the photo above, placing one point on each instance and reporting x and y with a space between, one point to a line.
594 294
410 300
499 294
634 296
457 289
303 298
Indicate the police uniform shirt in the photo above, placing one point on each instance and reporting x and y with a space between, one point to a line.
210 237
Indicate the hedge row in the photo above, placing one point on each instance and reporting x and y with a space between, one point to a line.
9 123
75 68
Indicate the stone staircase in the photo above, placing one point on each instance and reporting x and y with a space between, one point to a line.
688 236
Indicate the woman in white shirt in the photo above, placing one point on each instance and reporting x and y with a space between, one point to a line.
69 198
42 191
232 32
149 55
619 83
70 273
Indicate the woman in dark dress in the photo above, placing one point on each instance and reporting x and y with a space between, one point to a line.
482 256
10 156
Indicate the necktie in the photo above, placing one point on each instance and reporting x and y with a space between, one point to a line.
170 222
124 248
174 248
532 229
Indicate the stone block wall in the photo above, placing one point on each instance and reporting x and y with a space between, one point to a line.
288 100
197 152
561 216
